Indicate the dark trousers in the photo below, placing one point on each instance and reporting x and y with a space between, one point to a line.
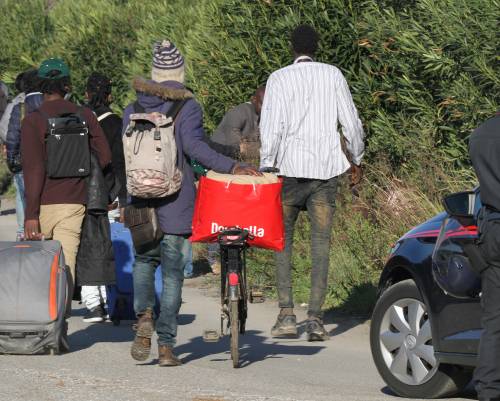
487 374
318 198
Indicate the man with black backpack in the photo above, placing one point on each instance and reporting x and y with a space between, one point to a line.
149 123
56 141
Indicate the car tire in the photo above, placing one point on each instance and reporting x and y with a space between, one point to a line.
410 370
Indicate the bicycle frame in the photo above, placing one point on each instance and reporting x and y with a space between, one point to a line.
233 245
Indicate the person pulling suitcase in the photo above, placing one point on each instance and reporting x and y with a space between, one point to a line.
56 142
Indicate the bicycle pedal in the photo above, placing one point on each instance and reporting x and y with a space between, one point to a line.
211 336
256 297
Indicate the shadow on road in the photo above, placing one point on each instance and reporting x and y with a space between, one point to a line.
109 333
253 348
100 333
468 394
7 212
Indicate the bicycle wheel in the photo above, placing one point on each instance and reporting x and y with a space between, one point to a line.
235 331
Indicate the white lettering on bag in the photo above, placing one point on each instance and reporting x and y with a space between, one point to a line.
254 230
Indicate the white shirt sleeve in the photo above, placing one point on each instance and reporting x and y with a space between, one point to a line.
352 128
273 123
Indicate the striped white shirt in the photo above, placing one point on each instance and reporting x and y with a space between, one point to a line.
303 105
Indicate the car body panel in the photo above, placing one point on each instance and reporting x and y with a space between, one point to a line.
456 327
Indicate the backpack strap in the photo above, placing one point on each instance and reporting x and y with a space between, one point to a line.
175 108
138 108
103 116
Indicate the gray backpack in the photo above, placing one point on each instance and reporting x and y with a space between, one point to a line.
151 153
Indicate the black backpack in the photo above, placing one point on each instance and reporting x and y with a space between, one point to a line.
67 146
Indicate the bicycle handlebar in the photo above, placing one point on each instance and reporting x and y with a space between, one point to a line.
234 236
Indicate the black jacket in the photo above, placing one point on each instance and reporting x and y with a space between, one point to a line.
95 262
484 151
112 127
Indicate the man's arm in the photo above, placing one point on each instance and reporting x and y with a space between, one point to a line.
273 123
33 162
352 128
14 136
190 126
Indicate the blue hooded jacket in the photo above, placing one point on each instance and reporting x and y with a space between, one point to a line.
175 212
32 101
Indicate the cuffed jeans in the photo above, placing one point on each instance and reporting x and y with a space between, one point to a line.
172 253
487 374
20 202
318 198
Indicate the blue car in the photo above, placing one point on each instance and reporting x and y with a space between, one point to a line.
426 326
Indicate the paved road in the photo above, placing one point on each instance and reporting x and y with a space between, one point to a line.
99 367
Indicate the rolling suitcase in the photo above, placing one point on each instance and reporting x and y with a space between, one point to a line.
33 294
121 296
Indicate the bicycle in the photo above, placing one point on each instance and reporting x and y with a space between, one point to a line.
233 242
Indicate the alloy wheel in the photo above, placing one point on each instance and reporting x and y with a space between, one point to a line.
406 342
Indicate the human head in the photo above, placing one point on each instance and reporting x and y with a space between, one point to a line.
98 90
18 84
304 41
168 63
30 81
55 78
258 98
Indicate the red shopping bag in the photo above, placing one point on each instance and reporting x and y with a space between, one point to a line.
254 207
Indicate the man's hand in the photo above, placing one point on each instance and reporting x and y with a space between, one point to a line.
32 230
240 169
356 174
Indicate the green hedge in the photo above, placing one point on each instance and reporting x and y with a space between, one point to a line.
423 74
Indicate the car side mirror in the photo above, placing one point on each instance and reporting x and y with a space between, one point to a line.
461 204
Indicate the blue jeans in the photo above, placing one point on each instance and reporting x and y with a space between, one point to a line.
188 268
20 201
172 254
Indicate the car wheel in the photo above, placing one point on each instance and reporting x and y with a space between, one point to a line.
402 347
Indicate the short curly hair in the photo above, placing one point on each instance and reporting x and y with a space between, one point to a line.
305 40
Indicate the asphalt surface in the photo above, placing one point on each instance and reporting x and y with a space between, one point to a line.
99 366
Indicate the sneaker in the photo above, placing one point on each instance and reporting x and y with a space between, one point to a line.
166 356
141 347
94 315
285 326
315 330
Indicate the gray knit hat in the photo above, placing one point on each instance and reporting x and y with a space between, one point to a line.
168 63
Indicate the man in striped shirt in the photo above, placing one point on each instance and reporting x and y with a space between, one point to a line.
303 105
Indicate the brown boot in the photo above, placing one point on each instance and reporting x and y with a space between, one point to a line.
166 356
141 347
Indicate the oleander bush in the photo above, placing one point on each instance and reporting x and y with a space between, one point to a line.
423 74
